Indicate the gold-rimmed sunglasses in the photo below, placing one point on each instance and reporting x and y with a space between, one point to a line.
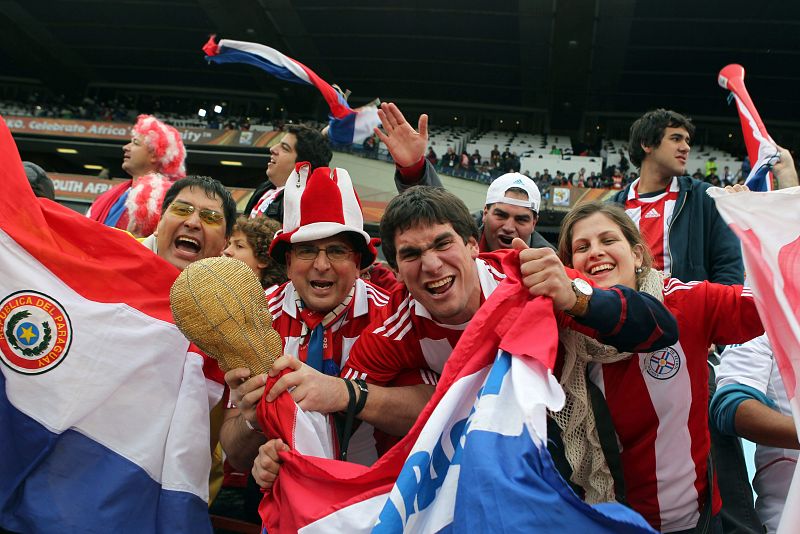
208 216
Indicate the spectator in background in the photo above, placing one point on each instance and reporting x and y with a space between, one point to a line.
506 154
475 160
555 151
370 144
431 156
698 175
465 163
249 242
298 143
511 210
513 163
699 243
495 156
711 166
154 159
727 177
41 184
450 159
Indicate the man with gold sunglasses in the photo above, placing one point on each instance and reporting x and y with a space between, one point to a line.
197 217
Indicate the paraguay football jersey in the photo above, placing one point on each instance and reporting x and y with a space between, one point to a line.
658 403
652 213
340 336
407 338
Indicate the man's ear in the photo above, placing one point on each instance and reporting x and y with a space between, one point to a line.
472 245
647 149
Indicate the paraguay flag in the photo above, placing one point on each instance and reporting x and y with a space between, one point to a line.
761 149
104 408
347 125
768 225
475 461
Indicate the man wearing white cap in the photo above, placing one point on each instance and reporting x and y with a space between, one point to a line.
511 210
321 311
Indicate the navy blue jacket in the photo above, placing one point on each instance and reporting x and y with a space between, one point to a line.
701 245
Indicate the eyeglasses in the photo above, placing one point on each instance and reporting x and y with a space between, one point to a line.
183 209
333 252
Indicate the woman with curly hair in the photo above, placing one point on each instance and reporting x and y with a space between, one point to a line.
249 242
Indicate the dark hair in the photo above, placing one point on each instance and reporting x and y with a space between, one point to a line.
41 184
648 130
618 216
259 233
213 188
424 205
311 146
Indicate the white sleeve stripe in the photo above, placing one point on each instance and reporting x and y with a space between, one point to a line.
406 318
377 296
390 320
404 331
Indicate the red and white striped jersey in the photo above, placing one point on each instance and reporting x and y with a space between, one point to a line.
406 338
653 215
368 301
659 403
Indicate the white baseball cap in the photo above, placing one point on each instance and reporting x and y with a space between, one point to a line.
497 191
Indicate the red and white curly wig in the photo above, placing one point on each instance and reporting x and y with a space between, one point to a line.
144 199
144 203
165 143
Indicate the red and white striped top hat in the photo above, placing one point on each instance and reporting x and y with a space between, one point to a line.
319 204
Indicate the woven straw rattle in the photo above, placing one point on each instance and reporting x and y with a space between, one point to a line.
219 304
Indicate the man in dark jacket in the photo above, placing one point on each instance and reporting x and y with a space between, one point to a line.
666 203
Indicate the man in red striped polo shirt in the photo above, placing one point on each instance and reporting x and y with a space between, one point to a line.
323 308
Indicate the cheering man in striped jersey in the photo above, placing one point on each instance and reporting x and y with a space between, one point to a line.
323 308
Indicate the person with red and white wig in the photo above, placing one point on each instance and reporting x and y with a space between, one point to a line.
154 158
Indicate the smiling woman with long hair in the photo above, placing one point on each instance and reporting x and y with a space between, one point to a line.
658 401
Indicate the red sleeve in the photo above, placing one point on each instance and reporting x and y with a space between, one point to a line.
378 356
378 359
413 173
729 311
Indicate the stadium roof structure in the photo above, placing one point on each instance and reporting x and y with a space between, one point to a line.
563 58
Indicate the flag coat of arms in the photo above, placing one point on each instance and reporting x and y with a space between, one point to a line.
104 406
475 461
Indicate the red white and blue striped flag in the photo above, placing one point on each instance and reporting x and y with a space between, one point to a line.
761 149
347 125
475 461
104 406
768 225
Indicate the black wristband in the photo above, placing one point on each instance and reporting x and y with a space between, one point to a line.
362 399
344 439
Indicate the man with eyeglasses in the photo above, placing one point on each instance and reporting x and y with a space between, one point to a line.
321 310
197 217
